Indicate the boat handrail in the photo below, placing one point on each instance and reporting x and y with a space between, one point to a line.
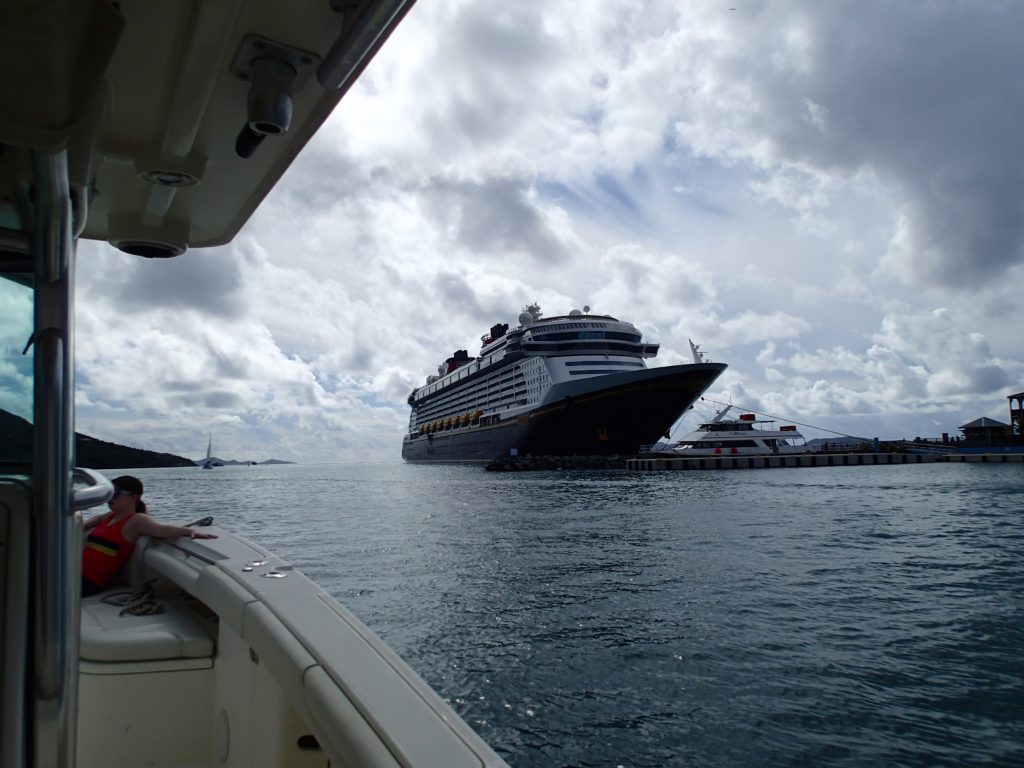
53 631
97 490
190 552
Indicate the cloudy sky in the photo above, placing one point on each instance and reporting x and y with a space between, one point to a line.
825 195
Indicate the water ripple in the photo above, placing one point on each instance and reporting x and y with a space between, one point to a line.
840 617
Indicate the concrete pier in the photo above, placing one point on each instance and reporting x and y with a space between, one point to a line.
660 463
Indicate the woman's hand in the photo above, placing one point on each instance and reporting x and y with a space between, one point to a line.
202 535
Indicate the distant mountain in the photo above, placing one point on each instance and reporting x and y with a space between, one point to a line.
16 441
216 462
99 454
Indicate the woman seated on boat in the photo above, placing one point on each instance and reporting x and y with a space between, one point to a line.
112 535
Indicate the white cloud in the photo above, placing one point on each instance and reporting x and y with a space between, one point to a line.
796 187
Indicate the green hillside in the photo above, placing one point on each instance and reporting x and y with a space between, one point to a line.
15 446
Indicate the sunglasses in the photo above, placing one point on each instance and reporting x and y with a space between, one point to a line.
118 493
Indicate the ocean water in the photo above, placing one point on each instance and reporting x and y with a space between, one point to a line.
843 616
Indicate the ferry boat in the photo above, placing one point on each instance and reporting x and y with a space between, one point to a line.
158 127
744 436
575 384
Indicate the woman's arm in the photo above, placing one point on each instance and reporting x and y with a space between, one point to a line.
144 525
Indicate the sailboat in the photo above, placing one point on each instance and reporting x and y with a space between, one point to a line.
208 462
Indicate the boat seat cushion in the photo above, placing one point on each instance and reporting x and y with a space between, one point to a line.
173 634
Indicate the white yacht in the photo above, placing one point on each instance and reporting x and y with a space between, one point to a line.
744 436
569 385
158 127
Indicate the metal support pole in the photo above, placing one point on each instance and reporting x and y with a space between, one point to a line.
56 558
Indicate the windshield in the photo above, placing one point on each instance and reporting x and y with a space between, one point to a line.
16 309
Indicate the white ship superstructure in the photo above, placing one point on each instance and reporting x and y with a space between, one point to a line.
516 368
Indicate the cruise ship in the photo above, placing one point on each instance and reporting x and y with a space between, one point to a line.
571 385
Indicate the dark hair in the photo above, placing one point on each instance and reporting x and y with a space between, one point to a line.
131 485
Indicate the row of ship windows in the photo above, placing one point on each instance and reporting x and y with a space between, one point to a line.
424 418
627 363
496 389
731 444
458 375
486 394
544 340
512 398
634 337
563 326
423 428
490 381
590 346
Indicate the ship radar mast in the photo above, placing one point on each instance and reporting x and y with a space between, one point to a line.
721 414
698 356
531 313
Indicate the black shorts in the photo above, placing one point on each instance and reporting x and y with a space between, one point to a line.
88 588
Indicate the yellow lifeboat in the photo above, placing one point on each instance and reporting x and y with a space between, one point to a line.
475 418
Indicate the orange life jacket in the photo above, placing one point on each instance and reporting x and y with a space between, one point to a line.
106 550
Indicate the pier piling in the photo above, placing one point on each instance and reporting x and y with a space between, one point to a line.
661 463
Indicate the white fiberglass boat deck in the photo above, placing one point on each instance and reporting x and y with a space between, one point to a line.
249 664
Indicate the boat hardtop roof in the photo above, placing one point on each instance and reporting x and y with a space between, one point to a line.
732 425
743 423
177 118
